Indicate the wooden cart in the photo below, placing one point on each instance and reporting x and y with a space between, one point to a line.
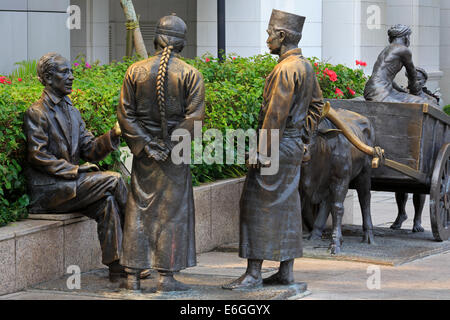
416 143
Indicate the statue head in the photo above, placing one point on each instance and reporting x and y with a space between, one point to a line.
55 72
171 31
401 33
422 76
285 29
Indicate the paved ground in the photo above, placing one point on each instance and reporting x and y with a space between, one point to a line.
426 278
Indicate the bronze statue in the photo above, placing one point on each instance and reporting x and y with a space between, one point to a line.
381 85
270 214
418 199
335 164
159 95
57 140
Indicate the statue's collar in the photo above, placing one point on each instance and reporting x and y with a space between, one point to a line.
289 53
54 97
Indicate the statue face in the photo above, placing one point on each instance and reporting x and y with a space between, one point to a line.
62 78
421 79
274 41
407 40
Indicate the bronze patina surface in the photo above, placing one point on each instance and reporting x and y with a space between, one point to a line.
57 140
270 215
159 95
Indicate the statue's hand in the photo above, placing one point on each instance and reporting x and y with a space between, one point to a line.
156 153
415 88
261 162
86 167
306 154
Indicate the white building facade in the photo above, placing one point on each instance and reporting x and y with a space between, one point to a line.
338 31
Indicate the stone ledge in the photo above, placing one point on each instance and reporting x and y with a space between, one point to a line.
25 227
41 247
65 218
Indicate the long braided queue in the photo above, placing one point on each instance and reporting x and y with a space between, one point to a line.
161 88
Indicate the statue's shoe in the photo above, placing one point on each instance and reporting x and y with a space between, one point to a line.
172 285
244 282
277 279
117 271
146 274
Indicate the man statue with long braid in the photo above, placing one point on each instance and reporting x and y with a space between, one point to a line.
270 214
160 95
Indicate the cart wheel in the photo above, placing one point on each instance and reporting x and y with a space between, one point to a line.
440 195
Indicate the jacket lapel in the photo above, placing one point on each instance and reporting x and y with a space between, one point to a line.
62 123
75 126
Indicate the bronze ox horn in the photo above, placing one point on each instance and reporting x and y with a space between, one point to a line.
376 152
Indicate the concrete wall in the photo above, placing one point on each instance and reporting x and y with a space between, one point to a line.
92 40
445 50
246 25
31 28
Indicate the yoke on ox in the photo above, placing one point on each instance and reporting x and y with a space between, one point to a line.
415 154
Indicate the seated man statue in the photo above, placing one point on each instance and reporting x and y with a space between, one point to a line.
381 85
56 141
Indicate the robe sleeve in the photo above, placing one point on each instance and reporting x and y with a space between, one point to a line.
132 131
195 101
280 94
96 149
314 114
36 129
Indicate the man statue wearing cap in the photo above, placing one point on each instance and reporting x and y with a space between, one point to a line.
381 85
270 213
160 95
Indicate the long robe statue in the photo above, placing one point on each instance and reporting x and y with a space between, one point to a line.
270 213
57 139
159 95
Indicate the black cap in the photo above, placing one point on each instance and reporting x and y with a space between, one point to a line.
287 21
172 26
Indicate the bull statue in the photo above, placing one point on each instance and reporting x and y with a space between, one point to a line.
335 163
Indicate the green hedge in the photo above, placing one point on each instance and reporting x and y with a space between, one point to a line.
447 109
233 99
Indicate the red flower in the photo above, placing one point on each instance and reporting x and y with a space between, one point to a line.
351 91
207 60
234 58
361 63
316 64
339 92
331 75
19 79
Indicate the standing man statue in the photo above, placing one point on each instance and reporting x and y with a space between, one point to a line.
56 141
160 95
270 216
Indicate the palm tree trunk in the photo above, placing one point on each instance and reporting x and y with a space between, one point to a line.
133 24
